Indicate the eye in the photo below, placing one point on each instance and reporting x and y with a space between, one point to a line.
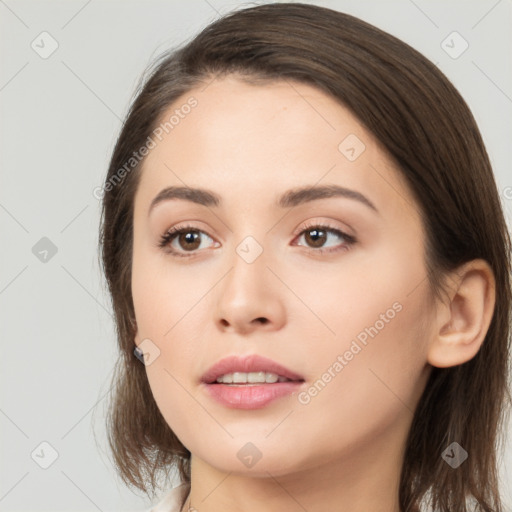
317 234
183 239
187 237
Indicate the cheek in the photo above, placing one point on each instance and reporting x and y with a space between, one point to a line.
367 365
163 296
169 312
362 391
173 394
365 292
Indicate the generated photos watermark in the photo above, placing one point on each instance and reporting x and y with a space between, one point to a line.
342 360
150 143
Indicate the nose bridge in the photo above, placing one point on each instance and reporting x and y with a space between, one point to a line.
249 234
249 264
250 249
248 293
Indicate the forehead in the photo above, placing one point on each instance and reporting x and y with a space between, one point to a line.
247 139
282 114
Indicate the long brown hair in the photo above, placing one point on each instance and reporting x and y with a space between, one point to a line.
428 130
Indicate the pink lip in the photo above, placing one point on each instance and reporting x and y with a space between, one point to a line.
246 364
245 396
251 397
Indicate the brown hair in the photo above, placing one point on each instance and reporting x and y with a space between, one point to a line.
428 130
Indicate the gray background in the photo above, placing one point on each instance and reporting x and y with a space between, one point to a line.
59 119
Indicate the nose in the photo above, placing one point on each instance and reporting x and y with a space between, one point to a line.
250 297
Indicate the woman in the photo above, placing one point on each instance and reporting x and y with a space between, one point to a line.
309 269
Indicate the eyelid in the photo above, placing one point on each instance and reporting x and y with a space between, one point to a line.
324 224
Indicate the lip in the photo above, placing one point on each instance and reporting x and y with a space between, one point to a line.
247 364
246 396
251 397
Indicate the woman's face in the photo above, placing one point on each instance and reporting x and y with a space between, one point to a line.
345 313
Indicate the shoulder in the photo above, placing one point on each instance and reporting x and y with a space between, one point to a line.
172 500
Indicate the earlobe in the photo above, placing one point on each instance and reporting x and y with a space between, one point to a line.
462 322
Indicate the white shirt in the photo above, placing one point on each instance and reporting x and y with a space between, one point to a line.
172 501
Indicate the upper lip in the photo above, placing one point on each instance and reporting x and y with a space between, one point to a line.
246 364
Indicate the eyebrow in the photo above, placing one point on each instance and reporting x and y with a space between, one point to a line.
290 198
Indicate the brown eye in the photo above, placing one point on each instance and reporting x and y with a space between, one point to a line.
180 240
189 240
316 236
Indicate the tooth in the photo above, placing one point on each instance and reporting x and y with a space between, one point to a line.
250 378
239 377
256 377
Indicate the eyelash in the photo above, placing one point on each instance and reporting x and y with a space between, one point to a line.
167 238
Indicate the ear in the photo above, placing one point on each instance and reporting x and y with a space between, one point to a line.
463 320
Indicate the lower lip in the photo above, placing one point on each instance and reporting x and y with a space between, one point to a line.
251 397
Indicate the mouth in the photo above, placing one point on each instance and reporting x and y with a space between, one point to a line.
249 370
250 382
251 379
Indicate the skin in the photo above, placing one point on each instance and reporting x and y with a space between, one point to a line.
343 450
